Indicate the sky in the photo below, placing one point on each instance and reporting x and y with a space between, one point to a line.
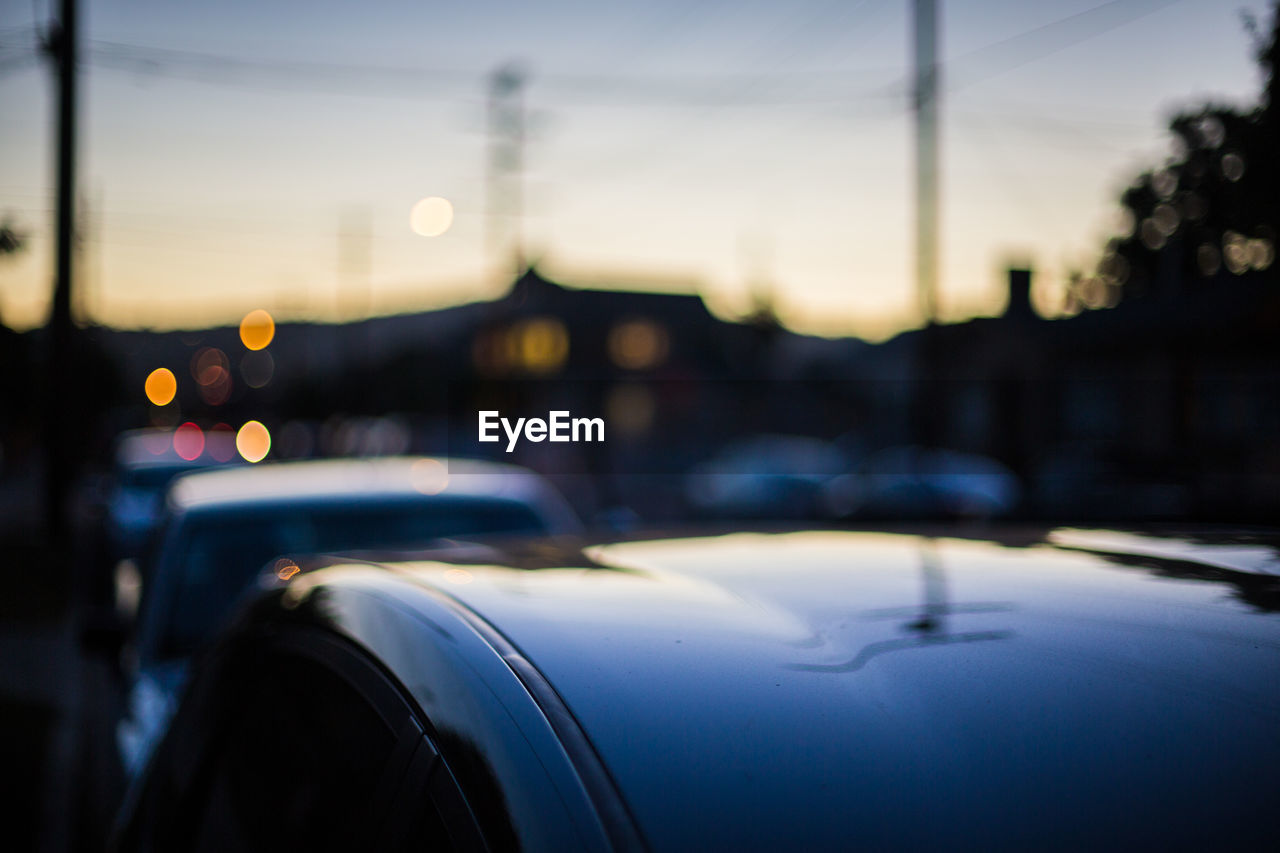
241 155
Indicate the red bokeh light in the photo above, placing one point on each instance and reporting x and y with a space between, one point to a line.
188 441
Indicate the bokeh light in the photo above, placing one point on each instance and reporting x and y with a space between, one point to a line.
1260 253
1124 222
208 365
429 476
257 329
638 344
286 568
540 344
1232 167
1165 218
1235 253
1208 259
458 576
253 441
1152 237
1113 268
212 372
431 217
1093 292
221 443
1212 131
257 368
161 386
188 441
1164 182
157 443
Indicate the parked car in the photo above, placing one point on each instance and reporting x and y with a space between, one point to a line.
145 463
126 504
222 527
803 691
923 482
766 477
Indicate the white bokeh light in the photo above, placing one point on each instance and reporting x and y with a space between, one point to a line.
431 217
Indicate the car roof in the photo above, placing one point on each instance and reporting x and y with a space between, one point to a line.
745 689
153 448
340 480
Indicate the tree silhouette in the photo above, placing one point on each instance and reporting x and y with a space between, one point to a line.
11 242
1212 211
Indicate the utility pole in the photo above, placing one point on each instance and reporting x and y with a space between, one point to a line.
63 47
504 191
927 397
925 106
87 300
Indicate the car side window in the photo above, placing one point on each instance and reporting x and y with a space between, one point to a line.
299 766
297 740
294 746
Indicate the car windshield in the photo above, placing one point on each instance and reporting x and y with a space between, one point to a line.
152 478
219 556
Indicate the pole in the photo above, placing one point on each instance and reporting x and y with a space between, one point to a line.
504 239
927 394
58 458
925 106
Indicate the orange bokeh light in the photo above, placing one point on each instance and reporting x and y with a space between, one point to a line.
253 441
429 476
161 386
257 329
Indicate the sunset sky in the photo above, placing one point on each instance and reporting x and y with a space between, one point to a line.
227 147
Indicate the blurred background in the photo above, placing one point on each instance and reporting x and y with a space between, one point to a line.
841 262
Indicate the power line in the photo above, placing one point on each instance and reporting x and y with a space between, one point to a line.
983 63
702 90
745 91
14 64
1005 55
705 91
1046 125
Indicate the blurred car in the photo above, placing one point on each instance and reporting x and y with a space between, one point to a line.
1112 483
146 461
803 691
924 482
765 476
221 527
